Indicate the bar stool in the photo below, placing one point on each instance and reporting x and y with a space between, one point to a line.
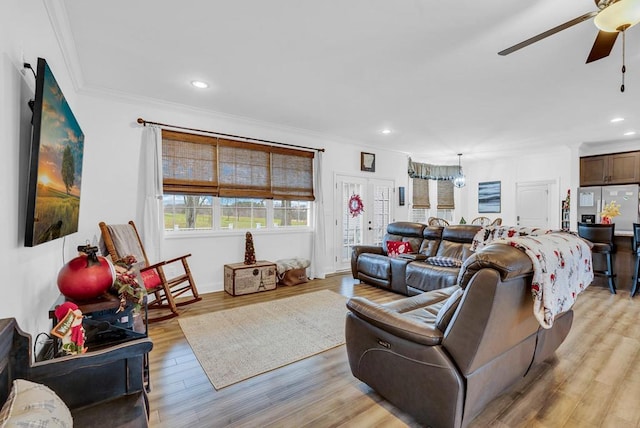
635 243
601 235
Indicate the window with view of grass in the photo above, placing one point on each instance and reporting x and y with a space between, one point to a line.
243 213
188 212
216 184
290 213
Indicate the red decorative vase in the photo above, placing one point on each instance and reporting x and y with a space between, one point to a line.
86 277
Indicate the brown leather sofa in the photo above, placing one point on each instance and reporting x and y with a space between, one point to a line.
411 274
441 356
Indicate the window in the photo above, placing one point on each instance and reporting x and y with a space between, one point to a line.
243 213
421 204
188 212
290 213
445 195
215 183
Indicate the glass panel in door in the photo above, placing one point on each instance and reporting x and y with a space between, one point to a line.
382 194
352 227
370 225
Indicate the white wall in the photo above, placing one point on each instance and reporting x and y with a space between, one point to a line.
556 165
109 186
29 274
110 173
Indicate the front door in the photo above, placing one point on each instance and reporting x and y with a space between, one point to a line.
364 210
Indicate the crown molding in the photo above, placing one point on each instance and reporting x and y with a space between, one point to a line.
138 101
60 23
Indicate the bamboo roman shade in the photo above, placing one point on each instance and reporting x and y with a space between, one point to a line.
445 195
189 164
221 167
292 175
421 193
245 170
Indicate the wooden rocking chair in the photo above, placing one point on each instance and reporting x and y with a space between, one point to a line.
122 240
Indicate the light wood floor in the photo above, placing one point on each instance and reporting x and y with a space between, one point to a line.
594 380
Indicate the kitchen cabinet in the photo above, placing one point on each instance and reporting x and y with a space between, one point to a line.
615 168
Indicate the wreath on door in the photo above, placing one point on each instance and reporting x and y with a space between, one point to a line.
356 206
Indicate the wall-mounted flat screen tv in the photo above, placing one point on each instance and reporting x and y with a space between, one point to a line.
55 172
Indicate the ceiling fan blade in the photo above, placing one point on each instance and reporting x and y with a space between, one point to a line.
602 46
548 33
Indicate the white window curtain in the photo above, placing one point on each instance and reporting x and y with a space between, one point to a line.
149 208
316 269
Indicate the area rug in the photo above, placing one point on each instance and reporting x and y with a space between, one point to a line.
236 344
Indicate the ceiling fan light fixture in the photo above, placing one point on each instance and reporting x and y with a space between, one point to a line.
619 15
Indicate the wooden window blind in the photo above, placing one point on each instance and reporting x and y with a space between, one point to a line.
421 193
445 195
189 164
245 170
292 175
228 168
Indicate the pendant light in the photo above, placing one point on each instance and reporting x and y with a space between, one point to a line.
459 181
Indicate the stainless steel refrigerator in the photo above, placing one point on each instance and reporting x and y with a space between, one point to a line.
592 199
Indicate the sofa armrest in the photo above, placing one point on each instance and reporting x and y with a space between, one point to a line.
361 249
82 380
394 322
399 275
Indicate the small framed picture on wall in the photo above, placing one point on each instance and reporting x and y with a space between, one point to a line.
367 162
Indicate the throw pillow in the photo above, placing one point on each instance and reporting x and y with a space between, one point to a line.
395 248
444 261
150 279
31 404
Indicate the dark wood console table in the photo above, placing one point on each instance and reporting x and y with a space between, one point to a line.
104 328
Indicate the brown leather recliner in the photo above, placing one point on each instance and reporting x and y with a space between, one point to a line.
441 356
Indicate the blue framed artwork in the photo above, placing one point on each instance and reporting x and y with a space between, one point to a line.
489 197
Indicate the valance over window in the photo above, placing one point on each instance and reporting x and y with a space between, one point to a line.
427 171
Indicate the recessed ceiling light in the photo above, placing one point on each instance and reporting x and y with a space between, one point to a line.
629 133
386 131
617 119
200 84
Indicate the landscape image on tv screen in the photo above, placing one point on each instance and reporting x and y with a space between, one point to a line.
55 176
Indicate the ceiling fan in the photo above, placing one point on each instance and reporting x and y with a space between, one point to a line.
611 18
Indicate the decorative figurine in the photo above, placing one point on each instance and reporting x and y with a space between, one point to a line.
249 252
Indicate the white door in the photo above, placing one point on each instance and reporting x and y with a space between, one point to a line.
364 209
532 204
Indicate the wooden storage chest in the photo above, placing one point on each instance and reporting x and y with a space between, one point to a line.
242 279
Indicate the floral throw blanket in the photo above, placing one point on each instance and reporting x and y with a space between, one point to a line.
490 233
561 270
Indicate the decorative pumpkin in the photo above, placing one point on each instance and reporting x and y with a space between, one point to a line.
86 277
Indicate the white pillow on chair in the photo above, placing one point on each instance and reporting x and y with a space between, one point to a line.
31 404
